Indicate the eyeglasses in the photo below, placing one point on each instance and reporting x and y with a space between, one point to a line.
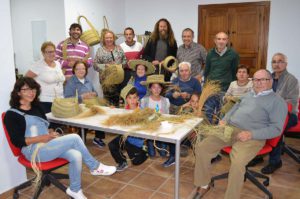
262 80
50 52
278 62
29 90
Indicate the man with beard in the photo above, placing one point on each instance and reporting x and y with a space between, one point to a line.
71 50
161 44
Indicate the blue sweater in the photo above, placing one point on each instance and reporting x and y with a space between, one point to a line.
191 86
142 90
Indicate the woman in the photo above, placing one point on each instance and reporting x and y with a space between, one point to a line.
85 90
107 54
47 72
142 68
27 125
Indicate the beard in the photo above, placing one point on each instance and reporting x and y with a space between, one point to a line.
163 35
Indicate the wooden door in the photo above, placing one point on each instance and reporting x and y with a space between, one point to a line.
247 25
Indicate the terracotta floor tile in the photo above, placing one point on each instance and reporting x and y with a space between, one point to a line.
161 196
104 188
148 181
157 169
185 188
132 192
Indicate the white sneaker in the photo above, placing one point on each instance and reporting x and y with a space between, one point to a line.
75 195
104 170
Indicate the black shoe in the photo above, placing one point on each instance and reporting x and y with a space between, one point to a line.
216 159
122 166
99 142
255 161
169 162
269 169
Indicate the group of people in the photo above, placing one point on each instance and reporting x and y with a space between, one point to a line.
257 113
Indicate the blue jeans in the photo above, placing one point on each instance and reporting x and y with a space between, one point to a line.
159 144
71 148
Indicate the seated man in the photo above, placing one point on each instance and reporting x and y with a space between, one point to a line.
259 116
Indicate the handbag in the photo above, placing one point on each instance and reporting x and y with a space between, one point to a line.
91 37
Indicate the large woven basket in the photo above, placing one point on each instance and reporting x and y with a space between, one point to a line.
91 37
65 107
170 63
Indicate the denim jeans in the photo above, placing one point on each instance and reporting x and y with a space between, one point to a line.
151 149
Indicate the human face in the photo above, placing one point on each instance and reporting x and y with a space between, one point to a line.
27 95
163 29
80 71
187 38
128 34
194 101
75 33
109 39
184 72
132 101
156 89
242 74
221 41
261 81
278 64
49 54
140 70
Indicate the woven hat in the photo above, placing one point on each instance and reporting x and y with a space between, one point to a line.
151 79
150 67
170 63
113 74
126 90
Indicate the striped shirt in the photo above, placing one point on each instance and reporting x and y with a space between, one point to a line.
79 51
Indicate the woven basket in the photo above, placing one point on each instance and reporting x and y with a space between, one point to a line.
65 107
91 37
170 63
91 102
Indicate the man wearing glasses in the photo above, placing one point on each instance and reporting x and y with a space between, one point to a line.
286 85
259 116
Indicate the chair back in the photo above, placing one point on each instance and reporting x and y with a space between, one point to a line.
15 150
274 141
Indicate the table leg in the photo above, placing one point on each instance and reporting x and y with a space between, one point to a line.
82 135
177 169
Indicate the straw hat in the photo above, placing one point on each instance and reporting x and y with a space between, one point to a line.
151 79
170 63
126 90
150 67
113 74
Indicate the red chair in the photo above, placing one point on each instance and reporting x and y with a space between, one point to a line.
252 175
48 176
293 132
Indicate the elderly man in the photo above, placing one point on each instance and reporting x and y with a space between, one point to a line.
186 86
259 116
192 52
286 85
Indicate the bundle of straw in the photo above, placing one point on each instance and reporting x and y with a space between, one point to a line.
223 132
93 110
210 88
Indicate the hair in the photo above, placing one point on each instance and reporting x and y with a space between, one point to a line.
222 33
282 55
155 34
14 101
129 28
188 30
161 85
114 36
196 94
185 63
46 44
75 25
80 62
132 91
243 66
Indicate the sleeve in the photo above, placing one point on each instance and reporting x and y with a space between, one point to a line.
229 90
203 54
70 89
89 60
168 106
35 68
97 64
197 87
292 95
60 73
207 66
16 127
234 66
147 51
143 103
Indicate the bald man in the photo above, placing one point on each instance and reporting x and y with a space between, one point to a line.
259 116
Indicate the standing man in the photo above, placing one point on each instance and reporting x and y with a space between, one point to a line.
71 50
132 50
221 65
161 44
193 53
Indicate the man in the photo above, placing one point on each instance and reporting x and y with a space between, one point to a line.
286 85
259 116
71 50
161 44
221 65
192 52
132 50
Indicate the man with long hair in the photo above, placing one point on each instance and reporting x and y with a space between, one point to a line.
161 44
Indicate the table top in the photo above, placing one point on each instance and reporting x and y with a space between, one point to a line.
167 132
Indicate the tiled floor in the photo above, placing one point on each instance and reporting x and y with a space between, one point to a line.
151 180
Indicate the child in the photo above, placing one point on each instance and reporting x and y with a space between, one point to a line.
159 104
133 145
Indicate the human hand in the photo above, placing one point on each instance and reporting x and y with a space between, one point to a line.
47 137
185 95
176 94
155 62
244 136
222 122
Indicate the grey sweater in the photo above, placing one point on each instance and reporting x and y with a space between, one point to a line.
263 115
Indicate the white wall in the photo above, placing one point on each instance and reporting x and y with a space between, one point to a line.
11 172
23 12
283 30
